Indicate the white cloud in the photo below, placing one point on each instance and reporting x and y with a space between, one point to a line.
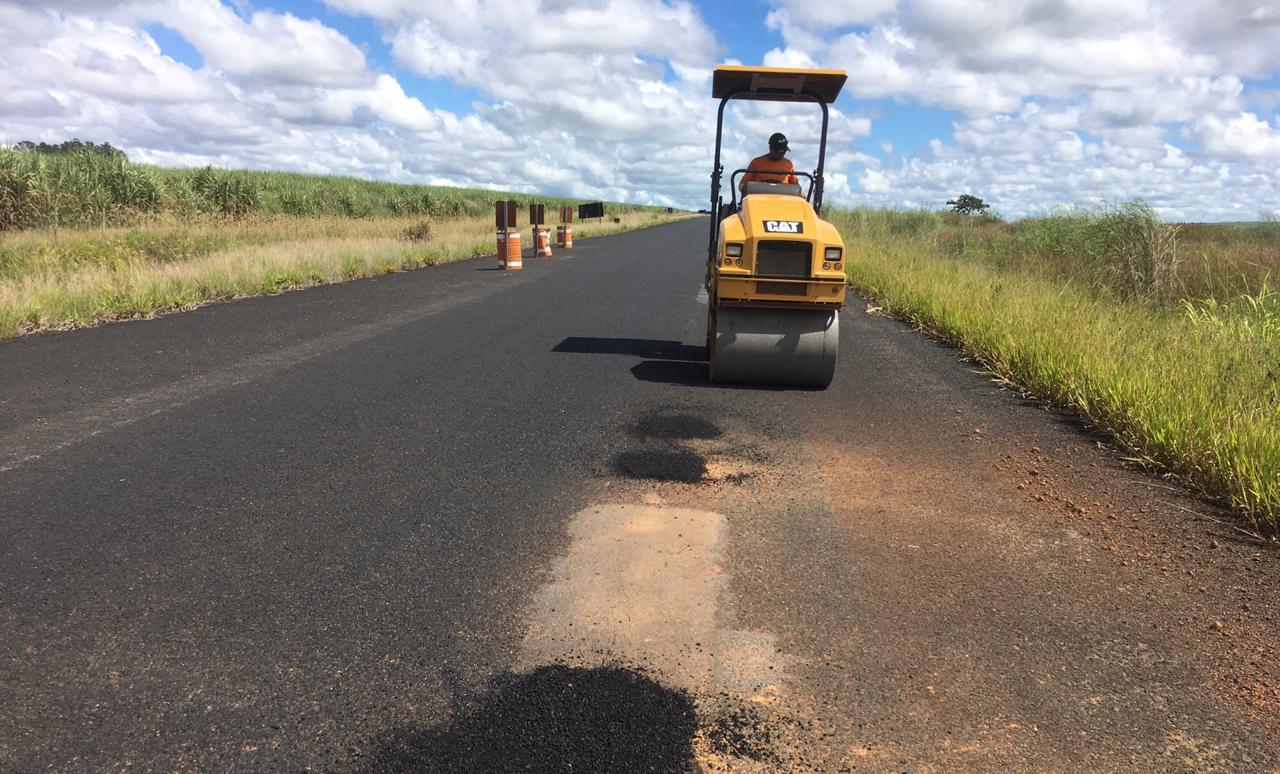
1051 101
279 48
1174 157
607 98
788 57
1244 136
108 60
615 94
1064 100
1240 34
874 181
1023 169
101 76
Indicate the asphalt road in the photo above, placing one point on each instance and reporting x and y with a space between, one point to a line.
463 520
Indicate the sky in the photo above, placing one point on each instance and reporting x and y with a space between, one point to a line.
1032 105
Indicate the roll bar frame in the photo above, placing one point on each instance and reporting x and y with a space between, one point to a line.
717 169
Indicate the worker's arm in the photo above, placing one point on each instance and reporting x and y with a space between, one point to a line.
753 173
791 179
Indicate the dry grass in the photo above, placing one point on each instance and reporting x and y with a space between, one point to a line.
78 278
1224 261
1100 316
1120 250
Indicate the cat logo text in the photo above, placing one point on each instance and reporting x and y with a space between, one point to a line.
784 226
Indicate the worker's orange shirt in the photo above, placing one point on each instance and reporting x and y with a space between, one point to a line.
764 162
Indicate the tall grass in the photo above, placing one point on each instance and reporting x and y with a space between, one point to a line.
1221 261
43 190
1098 310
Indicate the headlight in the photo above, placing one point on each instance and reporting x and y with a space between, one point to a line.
832 254
733 250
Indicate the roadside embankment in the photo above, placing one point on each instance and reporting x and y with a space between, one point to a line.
87 236
77 278
1167 337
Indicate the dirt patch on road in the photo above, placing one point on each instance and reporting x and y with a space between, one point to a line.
1032 567
1208 585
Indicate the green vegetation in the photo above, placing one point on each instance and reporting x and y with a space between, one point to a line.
968 204
87 236
1168 336
83 187
70 146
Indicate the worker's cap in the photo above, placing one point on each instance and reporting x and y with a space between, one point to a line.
778 141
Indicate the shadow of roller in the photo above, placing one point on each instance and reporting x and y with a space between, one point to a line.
688 374
653 349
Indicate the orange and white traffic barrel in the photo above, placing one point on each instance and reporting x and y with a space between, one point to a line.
543 242
509 257
515 260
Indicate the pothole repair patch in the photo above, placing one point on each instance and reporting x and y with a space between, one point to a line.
686 449
641 586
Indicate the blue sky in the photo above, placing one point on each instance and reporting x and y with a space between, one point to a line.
739 27
1077 102
742 34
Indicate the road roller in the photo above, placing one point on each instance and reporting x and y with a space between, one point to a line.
775 270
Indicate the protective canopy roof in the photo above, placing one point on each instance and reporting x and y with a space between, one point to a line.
779 84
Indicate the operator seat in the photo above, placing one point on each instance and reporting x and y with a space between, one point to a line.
762 187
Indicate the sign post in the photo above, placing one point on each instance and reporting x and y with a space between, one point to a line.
564 231
541 235
504 216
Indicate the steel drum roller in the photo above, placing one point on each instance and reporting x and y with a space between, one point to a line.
792 347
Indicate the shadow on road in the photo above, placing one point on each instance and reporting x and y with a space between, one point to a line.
671 372
696 375
653 349
674 425
666 362
661 465
555 719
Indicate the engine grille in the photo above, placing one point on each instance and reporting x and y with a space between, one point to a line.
776 258
782 288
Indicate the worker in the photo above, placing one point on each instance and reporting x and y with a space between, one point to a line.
773 167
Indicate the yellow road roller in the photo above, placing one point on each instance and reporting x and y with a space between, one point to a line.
775 270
